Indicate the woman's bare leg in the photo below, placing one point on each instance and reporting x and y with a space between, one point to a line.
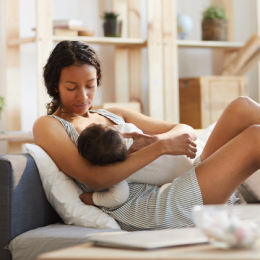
223 171
239 115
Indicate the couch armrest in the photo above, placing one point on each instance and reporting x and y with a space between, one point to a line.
23 204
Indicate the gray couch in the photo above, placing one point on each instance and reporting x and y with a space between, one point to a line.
23 204
27 219
29 225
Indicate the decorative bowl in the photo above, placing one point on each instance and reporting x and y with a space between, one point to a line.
229 226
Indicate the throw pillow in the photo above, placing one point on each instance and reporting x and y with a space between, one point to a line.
252 185
63 194
202 138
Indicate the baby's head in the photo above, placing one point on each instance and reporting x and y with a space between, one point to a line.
102 144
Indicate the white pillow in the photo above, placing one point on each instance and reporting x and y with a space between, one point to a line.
252 184
63 194
202 138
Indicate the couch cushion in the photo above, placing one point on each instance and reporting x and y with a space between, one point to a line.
29 245
23 204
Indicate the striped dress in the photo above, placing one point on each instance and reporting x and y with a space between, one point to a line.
150 207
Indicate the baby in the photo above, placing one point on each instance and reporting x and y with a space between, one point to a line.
103 144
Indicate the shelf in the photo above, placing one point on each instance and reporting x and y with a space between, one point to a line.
133 42
14 42
210 44
116 41
16 136
122 42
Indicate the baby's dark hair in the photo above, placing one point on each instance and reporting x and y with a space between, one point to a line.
101 145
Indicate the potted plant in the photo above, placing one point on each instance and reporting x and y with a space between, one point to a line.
112 27
1 105
214 24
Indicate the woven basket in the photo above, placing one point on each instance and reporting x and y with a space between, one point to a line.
214 30
203 99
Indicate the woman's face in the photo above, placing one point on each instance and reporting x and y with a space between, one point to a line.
77 88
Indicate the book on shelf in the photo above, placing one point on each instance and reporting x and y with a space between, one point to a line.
68 22
71 27
86 33
65 32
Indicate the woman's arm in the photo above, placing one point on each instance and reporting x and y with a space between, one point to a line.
155 130
51 136
150 126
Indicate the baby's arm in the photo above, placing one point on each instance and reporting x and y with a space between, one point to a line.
115 196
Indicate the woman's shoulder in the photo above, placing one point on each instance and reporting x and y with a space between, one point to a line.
45 125
53 127
45 120
121 111
113 110
113 114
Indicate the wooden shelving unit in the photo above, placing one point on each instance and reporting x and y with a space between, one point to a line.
162 45
18 41
16 136
15 140
118 42
234 46
133 42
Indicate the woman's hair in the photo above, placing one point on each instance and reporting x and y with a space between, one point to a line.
101 145
65 54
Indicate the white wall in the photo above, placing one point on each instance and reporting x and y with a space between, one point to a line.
3 144
245 25
196 62
192 62
27 21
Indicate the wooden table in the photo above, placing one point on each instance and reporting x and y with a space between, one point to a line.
198 252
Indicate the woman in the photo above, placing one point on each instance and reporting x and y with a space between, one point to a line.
72 75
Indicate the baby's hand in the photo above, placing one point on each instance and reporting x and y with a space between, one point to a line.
87 198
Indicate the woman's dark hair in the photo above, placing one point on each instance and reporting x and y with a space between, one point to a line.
65 54
101 145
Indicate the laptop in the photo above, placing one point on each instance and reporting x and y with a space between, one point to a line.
150 239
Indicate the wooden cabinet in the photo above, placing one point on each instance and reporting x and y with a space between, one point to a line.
203 99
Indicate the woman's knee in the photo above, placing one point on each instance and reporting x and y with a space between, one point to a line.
240 106
241 103
251 143
252 134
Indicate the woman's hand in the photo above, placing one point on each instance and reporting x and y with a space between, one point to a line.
140 141
180 145
172 145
